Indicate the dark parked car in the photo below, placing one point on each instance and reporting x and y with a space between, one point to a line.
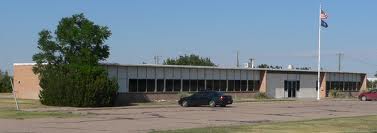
211 98
367 96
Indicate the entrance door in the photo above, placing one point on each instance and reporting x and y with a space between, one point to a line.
291 87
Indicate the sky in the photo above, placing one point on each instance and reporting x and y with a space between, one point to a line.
273 32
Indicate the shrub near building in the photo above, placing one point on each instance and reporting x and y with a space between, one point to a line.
68 65
5 84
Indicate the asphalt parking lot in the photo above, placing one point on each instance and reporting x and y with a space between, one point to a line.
122 120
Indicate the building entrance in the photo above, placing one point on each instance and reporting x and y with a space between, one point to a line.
291 87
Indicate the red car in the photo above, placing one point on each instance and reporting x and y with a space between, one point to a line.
367 96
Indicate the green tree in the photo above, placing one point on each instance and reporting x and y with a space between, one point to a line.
263 66
5 84
193 60
68 64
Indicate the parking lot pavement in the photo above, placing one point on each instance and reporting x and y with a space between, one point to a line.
121 120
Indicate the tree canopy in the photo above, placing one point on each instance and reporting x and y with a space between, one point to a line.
68 64
193 60
5 84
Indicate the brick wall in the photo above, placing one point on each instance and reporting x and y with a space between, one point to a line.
26 83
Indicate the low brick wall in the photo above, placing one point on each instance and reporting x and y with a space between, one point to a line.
126 98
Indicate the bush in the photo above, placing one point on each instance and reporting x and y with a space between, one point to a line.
261 95
5 84
78 86
336 94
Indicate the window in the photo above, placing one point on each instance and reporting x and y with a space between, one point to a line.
160 85
256 85
237 85
243 85
186 85
223 85
142 85
251 85
132 85
346 86
216 85
194 85
150 85
298 85
231 85
169 85
177 85
210 84
201 86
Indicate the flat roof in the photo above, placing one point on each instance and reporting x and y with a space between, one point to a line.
210 67
228 68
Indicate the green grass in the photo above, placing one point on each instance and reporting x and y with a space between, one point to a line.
363 124
8 109
13 114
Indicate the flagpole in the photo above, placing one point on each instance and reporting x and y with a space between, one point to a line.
319 53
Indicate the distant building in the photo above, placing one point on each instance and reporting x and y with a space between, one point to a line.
156 82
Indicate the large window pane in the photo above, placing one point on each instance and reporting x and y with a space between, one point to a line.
243 85
142 84
160 85
231 85
132 86
150 85
194 85
169 85
209 84
177 85
186 85
237 85
201 85
216 85
223 85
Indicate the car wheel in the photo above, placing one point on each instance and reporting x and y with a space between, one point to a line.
364 98
212 103
185 104
223 105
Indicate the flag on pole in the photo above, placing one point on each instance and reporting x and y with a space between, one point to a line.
323 18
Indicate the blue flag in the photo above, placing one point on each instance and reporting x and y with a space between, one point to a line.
324 24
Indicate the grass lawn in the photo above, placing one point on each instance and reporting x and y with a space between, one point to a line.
8 109
14 114
364 124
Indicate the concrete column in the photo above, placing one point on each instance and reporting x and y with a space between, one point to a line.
263 81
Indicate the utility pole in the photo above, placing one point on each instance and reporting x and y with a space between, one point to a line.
339 61
156 59
238 61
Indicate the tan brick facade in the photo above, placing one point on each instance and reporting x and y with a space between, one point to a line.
263 83
26 83
363 86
